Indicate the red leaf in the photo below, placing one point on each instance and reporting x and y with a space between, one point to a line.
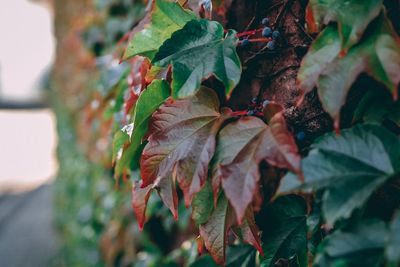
167 192
250 232
137 81
214 232
311 20
140 196
245 143
182 141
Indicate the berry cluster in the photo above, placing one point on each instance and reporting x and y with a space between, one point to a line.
269 35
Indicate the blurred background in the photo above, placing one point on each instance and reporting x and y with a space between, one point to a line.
61 90
28 134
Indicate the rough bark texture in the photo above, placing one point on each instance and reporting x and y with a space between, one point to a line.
74 64
271 75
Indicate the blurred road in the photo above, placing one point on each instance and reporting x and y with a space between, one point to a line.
27 236
27 166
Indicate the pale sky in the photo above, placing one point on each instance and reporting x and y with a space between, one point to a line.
28 138
26 47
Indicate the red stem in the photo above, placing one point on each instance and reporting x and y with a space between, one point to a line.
247 33
260 40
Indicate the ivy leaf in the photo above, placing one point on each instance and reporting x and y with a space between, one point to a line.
285 235
360 245
242 146
199 50
393 244
349 168
202 204
378 55
352 17
140 196
166 17
182 141
249 232
241 256
376 106
128 141
204 261
214 231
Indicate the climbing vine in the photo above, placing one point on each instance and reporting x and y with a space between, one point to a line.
176 133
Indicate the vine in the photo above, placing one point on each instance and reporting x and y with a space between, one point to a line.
180 135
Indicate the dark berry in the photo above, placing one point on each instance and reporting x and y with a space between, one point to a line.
271 45
300 136
250 113
275 34
265 21
267 32
245 42
265 103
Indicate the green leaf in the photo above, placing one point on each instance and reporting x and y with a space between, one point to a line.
352 17
202 204
241 256
242 145
197 51
393 243
376 106
237 256
349 168
378 55
165 18
147 103
285 236
360 245
320 54
204 261
182 141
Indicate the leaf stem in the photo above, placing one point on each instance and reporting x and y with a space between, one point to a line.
248 33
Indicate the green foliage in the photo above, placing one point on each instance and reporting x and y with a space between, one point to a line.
333 72
361 244
393 242
132 136
208 163
352 18
164 19
198 51
349 168
286 234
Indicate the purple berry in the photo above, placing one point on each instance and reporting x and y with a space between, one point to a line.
271 45
265 21
250 113
275 34
265 103
300 136
245 42
267 32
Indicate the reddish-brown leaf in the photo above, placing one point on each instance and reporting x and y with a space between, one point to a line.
167 192
249 231
140 196
182 141
242 146
214 232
